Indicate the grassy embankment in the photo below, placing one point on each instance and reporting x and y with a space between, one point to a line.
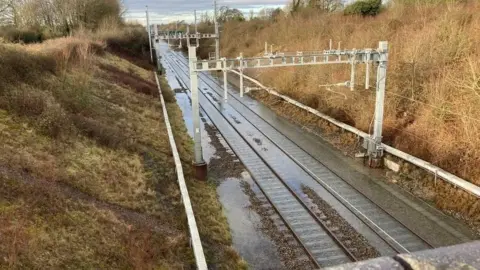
433 87
87 179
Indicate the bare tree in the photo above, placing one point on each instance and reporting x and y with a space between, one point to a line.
9 12
325 5
61 15
230 14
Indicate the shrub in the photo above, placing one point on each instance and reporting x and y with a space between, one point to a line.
24 100
75 98
364 8
133 40
26 36
102 133
69 52
18 65
55 122
168 94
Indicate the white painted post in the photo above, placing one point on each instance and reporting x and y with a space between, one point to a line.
241 74
188 37
367 72
197 138
149 36
339 48
352 73
225 81
377 152
196 28
327 58
217 33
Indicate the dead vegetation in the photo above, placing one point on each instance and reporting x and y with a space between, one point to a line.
87 179
432 91
432 102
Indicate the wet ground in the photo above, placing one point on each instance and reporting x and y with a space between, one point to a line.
250 239
257 220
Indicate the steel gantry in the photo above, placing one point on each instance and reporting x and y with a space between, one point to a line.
187 36
379 56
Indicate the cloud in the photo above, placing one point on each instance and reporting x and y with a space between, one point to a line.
162 11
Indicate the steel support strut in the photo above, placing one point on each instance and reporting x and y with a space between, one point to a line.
375 149
241 74
225 82
367 72
149 35
188 36
352 73
200 167
217 33
196 29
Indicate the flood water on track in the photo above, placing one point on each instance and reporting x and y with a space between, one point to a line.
253 245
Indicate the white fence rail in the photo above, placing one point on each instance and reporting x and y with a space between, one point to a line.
192 224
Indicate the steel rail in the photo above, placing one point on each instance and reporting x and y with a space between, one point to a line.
376 229
292 192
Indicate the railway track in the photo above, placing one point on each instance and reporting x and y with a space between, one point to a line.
276 163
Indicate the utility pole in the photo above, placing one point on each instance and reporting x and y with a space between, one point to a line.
155 30
367 73
225 82
377 152
149 36
188 36
196 28
217 32
352 73
200 166
241 74
176 33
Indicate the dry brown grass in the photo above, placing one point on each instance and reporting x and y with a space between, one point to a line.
434 60
87 180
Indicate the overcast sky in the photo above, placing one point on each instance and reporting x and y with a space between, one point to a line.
163 11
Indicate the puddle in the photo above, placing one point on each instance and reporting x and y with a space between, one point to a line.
213 96
235 119
252 244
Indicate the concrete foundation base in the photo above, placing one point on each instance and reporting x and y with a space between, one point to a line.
375 162
200 171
